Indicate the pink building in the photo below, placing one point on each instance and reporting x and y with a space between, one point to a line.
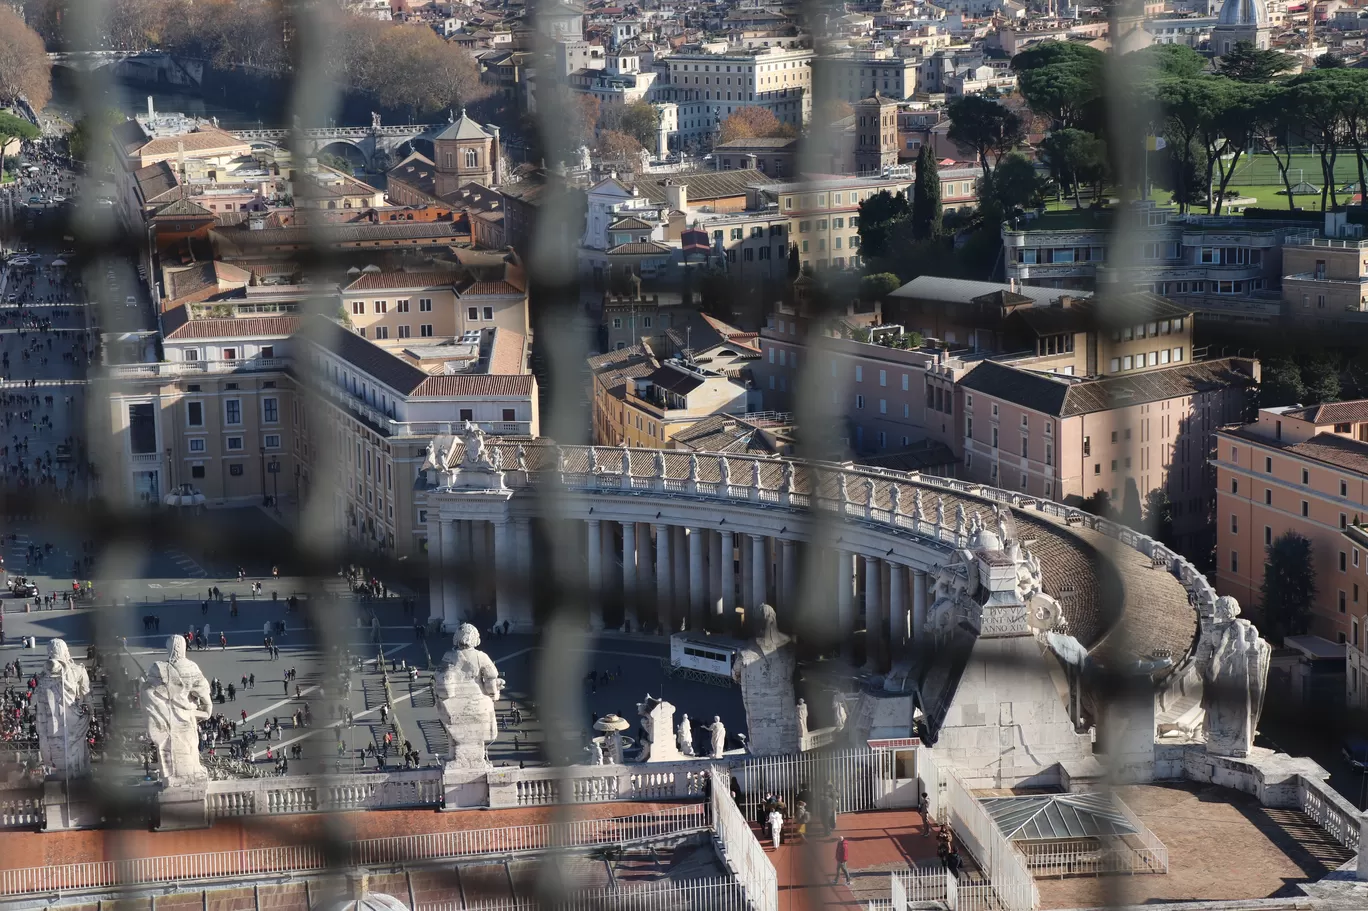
1062 438
1303 470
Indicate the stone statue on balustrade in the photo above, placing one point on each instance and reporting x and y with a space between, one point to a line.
802 711
838 710
175 696
765 670
466 687
684 737
1234 661
657 723
719 737
476 455
63 687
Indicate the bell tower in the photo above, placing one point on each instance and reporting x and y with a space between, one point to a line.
466 152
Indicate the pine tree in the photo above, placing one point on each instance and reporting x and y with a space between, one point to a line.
926 197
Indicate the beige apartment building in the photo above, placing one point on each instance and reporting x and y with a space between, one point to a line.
1324 279
1303 470
395 306
1062 438
248 408
642 401
824 215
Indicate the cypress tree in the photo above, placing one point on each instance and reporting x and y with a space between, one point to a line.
926 197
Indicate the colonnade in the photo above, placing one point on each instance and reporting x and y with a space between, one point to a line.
468 544
675 577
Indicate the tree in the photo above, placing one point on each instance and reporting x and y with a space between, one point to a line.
1099 504
1317 97
1274 120
1074 156
1061 81
1329 61
24 69
1016 183
1187 105
880 216
1247 63
986 127
641 120
620 149
1173 61
878 286
1320 378
752 122
585 110
1281 384
926 196
1289 587
1158 519
1227 130
12 127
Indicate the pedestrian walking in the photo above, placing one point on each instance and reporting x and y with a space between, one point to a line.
776 826
842 861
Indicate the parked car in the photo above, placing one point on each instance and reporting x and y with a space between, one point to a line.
130 301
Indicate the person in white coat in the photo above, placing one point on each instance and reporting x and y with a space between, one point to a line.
776 826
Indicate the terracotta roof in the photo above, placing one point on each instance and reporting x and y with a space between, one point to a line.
399 281
1333 412
184 208
1327 448
1049 394
704 185
495 287
631 222
461 384
245 327
464 128
724 433
350 233
130 136
638 249
202 140
155 180
506 352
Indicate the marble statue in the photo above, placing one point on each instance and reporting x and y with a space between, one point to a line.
871 493
895 499
724 472
959 517
586 160
431 458
765 670
802 710
375 120
522 457
1000 512
693 466
175 696
1234 663
466 687
63 686
684 737
719 737
940 512
595 752
755 474
643 159
657 723
917 504
476 455
593 460
660 471
788 476
838 709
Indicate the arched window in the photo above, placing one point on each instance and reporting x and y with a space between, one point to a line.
472 158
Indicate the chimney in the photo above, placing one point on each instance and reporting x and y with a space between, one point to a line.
180 156
677 195
151 112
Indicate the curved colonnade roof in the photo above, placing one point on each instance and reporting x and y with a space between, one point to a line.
1116 603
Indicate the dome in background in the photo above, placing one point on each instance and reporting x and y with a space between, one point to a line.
1244 12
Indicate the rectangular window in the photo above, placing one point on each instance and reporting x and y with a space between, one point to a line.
232 411
405 331
234 444
883 378
381 332
859 374
271 441
859 401
197 444
425 304
1234 561
488 312
381 306
883 406
467 414
425 330
1234 524
472 313
1268 535
401 306
270 410
194 414
1306 509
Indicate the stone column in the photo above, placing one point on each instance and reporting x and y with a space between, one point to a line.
629 574
522 548
873 614
697 584
845 601
645 567
744 547
897 608
788 597
456 541
1363 854
505 580
595 574
663 576
679 551
919 595
728 586
718 599
759 563
608 579
444 556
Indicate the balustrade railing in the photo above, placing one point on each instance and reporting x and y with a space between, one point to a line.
993 851
21 811
1337 816
702 895
668 823
327 793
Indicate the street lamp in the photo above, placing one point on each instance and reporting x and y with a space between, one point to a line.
170 470
264 501
274 469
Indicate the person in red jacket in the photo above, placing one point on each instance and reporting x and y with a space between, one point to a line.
842 859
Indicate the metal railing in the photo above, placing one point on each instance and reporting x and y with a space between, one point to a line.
704 895
860 776
976 830
739 848
671 822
